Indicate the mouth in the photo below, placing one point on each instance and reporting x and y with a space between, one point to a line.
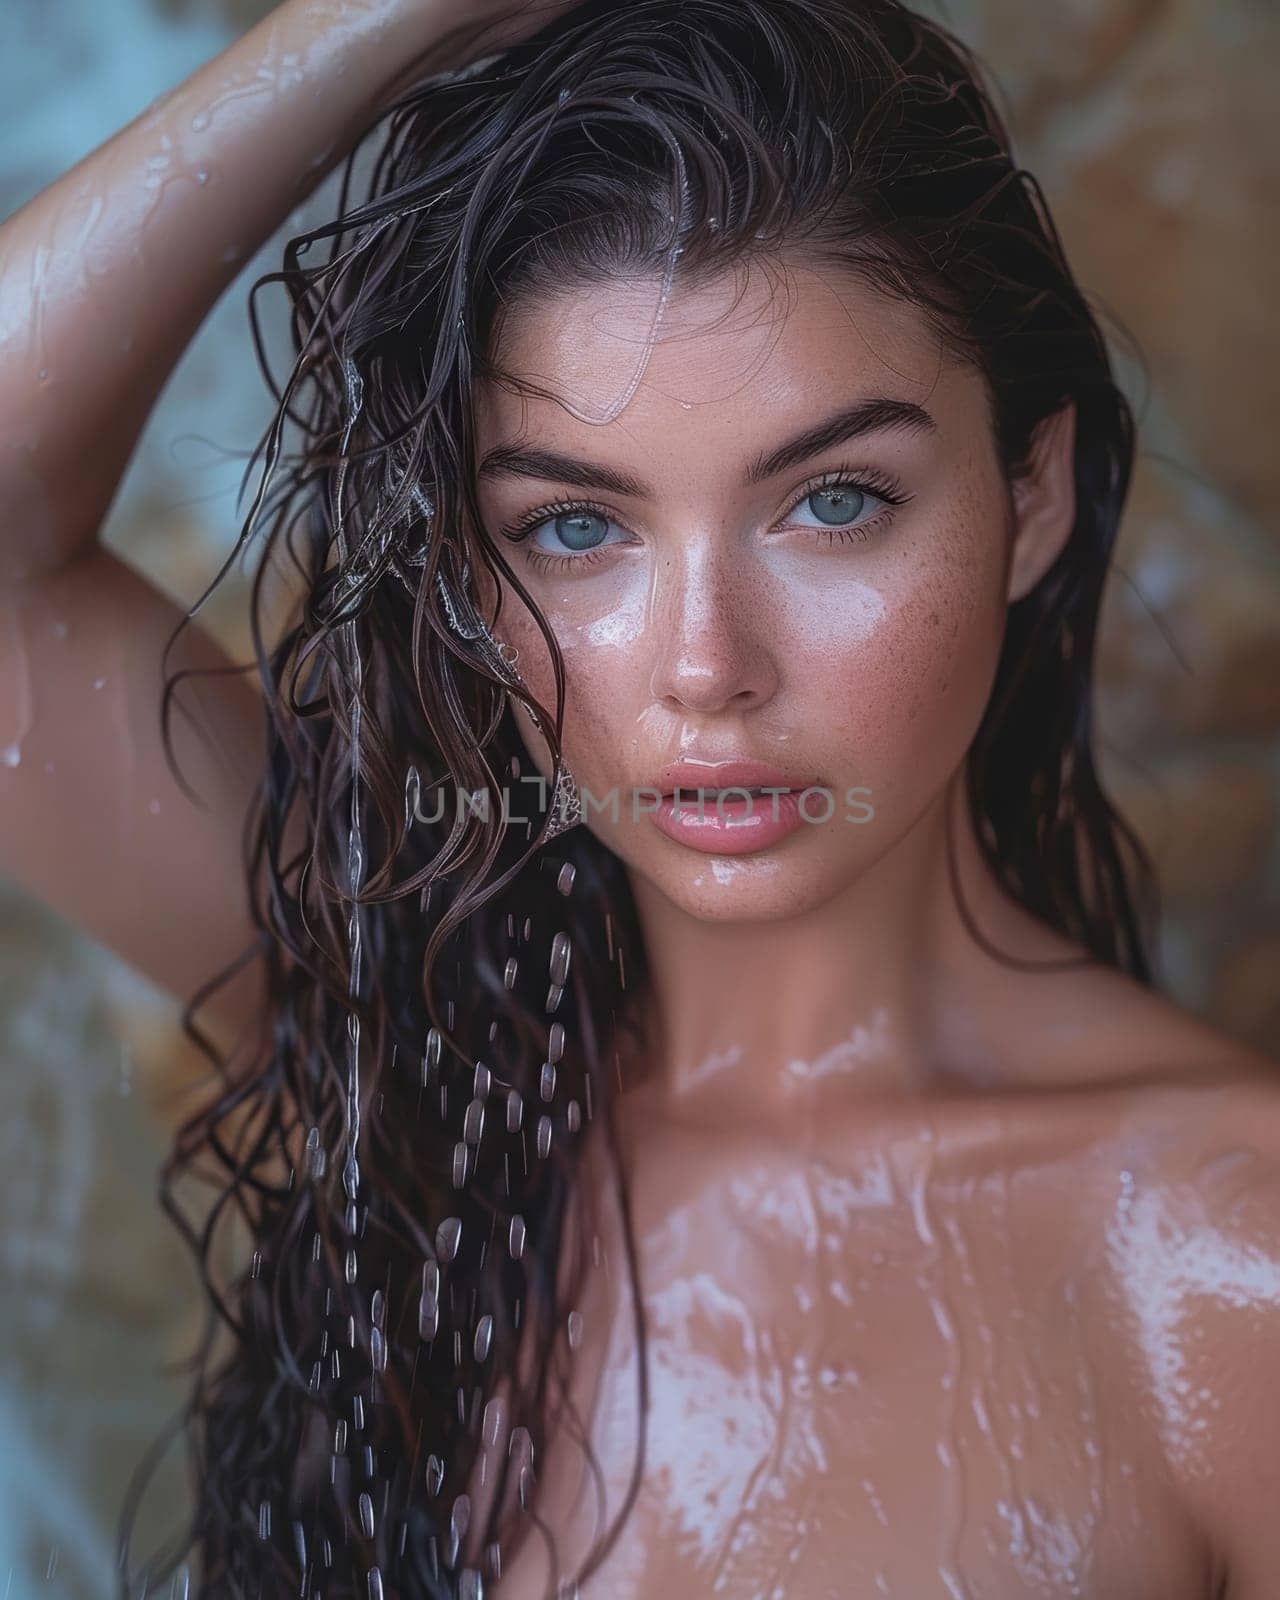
759 792
731 818
711 778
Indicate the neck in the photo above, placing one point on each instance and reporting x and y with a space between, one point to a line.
881 992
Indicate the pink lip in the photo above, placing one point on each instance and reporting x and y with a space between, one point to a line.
740 825
727 774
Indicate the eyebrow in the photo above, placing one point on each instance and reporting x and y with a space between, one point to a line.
874 414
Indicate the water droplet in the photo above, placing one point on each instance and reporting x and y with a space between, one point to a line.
515 1111
555 1042
351 1266
99 683
515 1238
483 1338
366 1516
575 1329
202 174
483 1080
377 1350
459 1164
264 1520
573 1114
544 1137
435 1474
315 1157
448 1238
547 1081
473 1123
255 1270
561 950
565 880
200 121
509 973
375 1584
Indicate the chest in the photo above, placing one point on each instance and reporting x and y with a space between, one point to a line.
863 1384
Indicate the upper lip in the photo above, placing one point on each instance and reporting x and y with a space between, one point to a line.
694 774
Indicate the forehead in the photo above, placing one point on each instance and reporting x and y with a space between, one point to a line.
745 353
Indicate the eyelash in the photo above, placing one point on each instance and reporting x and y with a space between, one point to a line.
879 484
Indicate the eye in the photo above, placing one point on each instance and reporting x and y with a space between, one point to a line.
846 505
570 534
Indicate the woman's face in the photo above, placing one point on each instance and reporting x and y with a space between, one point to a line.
732 574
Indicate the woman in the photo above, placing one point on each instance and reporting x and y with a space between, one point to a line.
650 1189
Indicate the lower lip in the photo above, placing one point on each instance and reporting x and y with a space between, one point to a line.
737 826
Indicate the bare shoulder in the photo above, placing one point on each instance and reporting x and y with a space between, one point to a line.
1193 1253
1100 1028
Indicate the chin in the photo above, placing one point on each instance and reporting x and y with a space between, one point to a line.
759 888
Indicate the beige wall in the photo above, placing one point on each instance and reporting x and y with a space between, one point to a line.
1151 125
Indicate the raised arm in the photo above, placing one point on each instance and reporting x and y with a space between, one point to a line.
104 278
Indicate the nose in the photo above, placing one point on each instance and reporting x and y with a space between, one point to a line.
708 618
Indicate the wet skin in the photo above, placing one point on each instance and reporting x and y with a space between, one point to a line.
960 1279
1010 1345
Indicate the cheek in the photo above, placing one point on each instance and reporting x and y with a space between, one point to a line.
602 648
903 701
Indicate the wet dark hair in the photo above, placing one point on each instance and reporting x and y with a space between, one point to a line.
377 1111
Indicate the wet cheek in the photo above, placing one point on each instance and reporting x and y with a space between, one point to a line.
907 698
607 694
602 653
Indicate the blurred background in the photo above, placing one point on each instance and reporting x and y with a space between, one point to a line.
1152 128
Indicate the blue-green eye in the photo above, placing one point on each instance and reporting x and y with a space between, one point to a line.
574 534
837 506
578 531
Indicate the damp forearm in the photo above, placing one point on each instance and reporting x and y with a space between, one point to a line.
107 273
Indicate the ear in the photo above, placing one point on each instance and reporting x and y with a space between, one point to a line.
1044 502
